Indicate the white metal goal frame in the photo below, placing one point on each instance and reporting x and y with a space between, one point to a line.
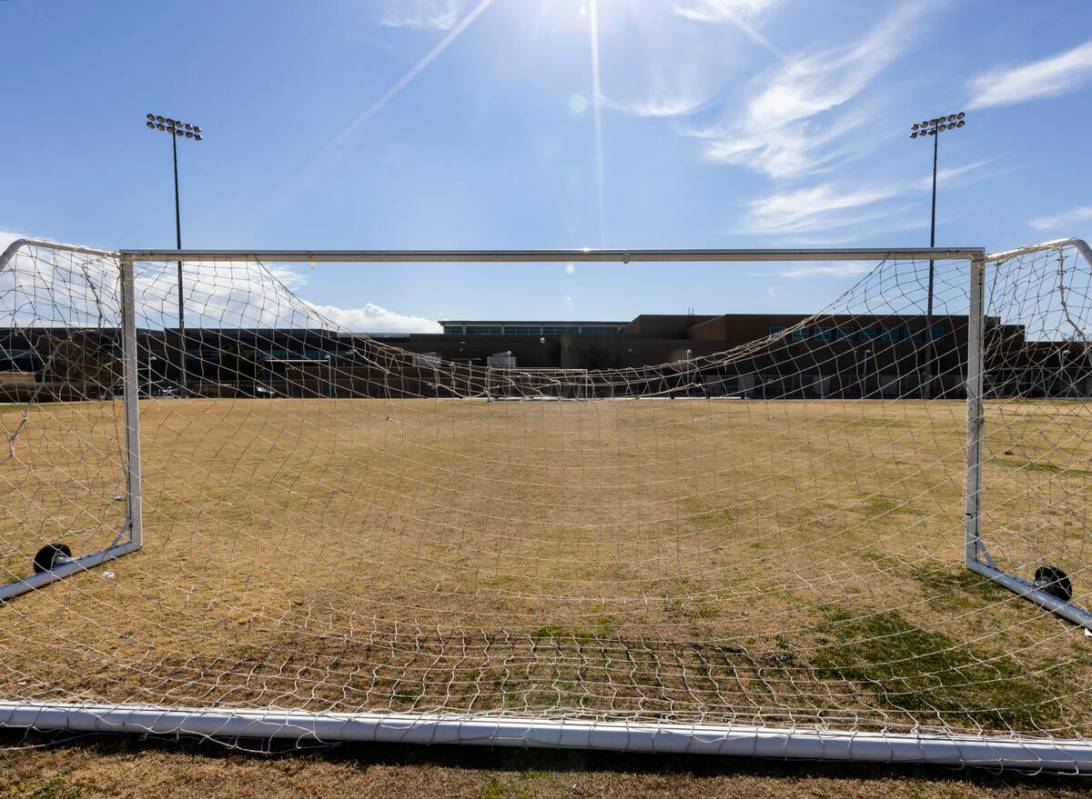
130 536
1017 752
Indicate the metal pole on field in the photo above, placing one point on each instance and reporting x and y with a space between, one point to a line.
131 382
933 127
975 329
177 129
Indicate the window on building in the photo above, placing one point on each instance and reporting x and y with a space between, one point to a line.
845 332
822 332
800 334
867 333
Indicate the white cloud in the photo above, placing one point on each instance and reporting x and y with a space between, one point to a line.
1048 77
945 176
743 14
372 318
723 10
779 134
662 102
683 88
7 237
820 207
829 206
1080 215
217 294
783 152
420 14
837 269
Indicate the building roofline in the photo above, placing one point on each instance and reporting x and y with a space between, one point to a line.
533 322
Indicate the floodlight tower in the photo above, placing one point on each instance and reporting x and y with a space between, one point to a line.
920 130
177 130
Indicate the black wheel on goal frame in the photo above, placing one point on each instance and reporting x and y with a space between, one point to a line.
49 556
1052 580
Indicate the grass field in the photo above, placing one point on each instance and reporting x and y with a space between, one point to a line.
788 563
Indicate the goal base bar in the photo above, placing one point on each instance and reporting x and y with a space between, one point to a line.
1027 590
82 563
1025 754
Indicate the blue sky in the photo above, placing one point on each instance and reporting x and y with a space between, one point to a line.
547 123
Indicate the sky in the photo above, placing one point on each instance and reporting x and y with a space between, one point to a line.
547 124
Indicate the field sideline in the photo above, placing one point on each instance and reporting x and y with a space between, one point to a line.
783 563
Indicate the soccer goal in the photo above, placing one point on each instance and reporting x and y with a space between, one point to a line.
859 534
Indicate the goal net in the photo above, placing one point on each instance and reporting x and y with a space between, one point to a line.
758 548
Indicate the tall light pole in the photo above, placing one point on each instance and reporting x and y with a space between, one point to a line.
177 129
922 130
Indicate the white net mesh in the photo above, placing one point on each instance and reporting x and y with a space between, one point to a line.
335 524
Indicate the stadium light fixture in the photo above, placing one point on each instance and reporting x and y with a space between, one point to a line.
177 130
922 130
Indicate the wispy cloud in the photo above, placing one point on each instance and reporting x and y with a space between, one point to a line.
830 206
372 318
820 207
839 269
721 10
1049 77
782 133
744 14
1081 215
783 151
681 96
957 173
420 14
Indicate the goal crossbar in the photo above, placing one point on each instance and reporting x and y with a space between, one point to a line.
553 256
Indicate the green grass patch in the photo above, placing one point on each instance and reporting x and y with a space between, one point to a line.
602 627
14 568
880 505
1043 466
924 672
945 586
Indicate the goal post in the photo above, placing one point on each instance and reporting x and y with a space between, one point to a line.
1047 589
52 562
351 557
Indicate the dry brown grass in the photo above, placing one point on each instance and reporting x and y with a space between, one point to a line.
177 770
771 562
